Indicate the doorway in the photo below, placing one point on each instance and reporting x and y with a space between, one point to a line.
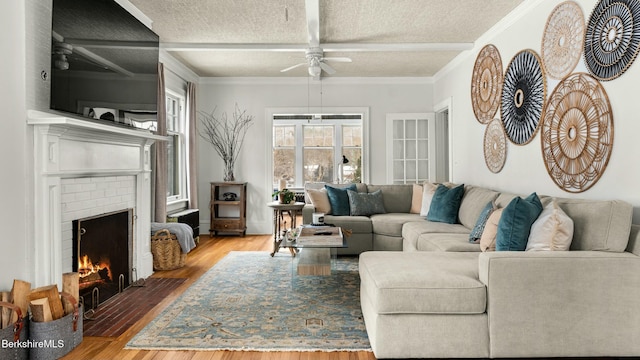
444 149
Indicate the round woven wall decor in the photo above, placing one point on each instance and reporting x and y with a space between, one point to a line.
577 133
486 84
495 146
523 95
563 39
612 39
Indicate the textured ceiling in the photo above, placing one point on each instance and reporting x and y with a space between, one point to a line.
389 34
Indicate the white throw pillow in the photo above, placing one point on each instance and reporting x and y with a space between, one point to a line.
320 200
552 231
490 232
428 189
416 199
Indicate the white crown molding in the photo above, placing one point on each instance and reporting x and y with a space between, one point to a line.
501 26
133 10
306 80
177 67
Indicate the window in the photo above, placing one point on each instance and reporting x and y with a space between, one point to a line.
176 147
284 153
311 148
352 150
319 153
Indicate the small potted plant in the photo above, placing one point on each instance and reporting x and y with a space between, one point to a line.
285 196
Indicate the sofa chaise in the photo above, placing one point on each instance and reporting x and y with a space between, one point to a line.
430 293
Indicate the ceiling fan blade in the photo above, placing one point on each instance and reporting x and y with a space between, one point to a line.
293 67
312 8
328 69
337 59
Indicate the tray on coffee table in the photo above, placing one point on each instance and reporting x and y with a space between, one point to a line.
320 236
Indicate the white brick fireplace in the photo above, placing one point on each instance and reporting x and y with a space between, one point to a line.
82 169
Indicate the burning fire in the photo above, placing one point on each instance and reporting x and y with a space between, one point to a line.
87 270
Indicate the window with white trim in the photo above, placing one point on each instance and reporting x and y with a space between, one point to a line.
315 148
176 147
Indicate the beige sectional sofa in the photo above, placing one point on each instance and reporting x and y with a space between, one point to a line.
438 296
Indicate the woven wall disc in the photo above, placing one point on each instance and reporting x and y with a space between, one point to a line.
577 133
612 39
486 84
495 146
563 39
523 96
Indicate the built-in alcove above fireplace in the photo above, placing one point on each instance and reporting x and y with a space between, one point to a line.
84 169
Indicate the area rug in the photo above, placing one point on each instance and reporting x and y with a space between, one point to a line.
250 301
116 315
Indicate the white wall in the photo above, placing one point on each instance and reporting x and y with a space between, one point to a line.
14 161
524 170
381 96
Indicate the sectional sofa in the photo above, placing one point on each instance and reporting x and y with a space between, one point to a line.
375 232
427 292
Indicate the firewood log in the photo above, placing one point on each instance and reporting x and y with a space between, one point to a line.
51 293
5 314
20 297
40 310
70 286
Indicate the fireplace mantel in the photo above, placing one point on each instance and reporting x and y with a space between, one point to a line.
70 148
74 127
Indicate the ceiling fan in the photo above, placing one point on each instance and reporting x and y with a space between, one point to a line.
316 61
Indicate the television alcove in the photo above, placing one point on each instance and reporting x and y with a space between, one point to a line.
104 64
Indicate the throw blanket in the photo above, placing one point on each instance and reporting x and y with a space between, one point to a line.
183 232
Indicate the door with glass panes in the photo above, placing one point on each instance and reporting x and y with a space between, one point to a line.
411 148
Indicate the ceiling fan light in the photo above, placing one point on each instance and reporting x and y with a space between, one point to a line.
314 70
61 62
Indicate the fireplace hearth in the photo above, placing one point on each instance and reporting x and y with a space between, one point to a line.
102 255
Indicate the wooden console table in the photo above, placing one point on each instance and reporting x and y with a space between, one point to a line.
221 208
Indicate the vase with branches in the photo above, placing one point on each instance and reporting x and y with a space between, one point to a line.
226 135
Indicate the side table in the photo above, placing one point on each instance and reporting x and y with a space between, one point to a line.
278 213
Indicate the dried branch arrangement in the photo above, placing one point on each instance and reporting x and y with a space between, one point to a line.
226 135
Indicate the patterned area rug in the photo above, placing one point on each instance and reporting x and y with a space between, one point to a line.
249 301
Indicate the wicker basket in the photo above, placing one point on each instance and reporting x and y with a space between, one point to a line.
167 253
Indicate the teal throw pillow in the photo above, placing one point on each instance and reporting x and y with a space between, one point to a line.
478 229
339 199
445 204
515 223
365 204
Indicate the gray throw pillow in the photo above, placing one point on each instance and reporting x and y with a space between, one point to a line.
365 204
476 232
